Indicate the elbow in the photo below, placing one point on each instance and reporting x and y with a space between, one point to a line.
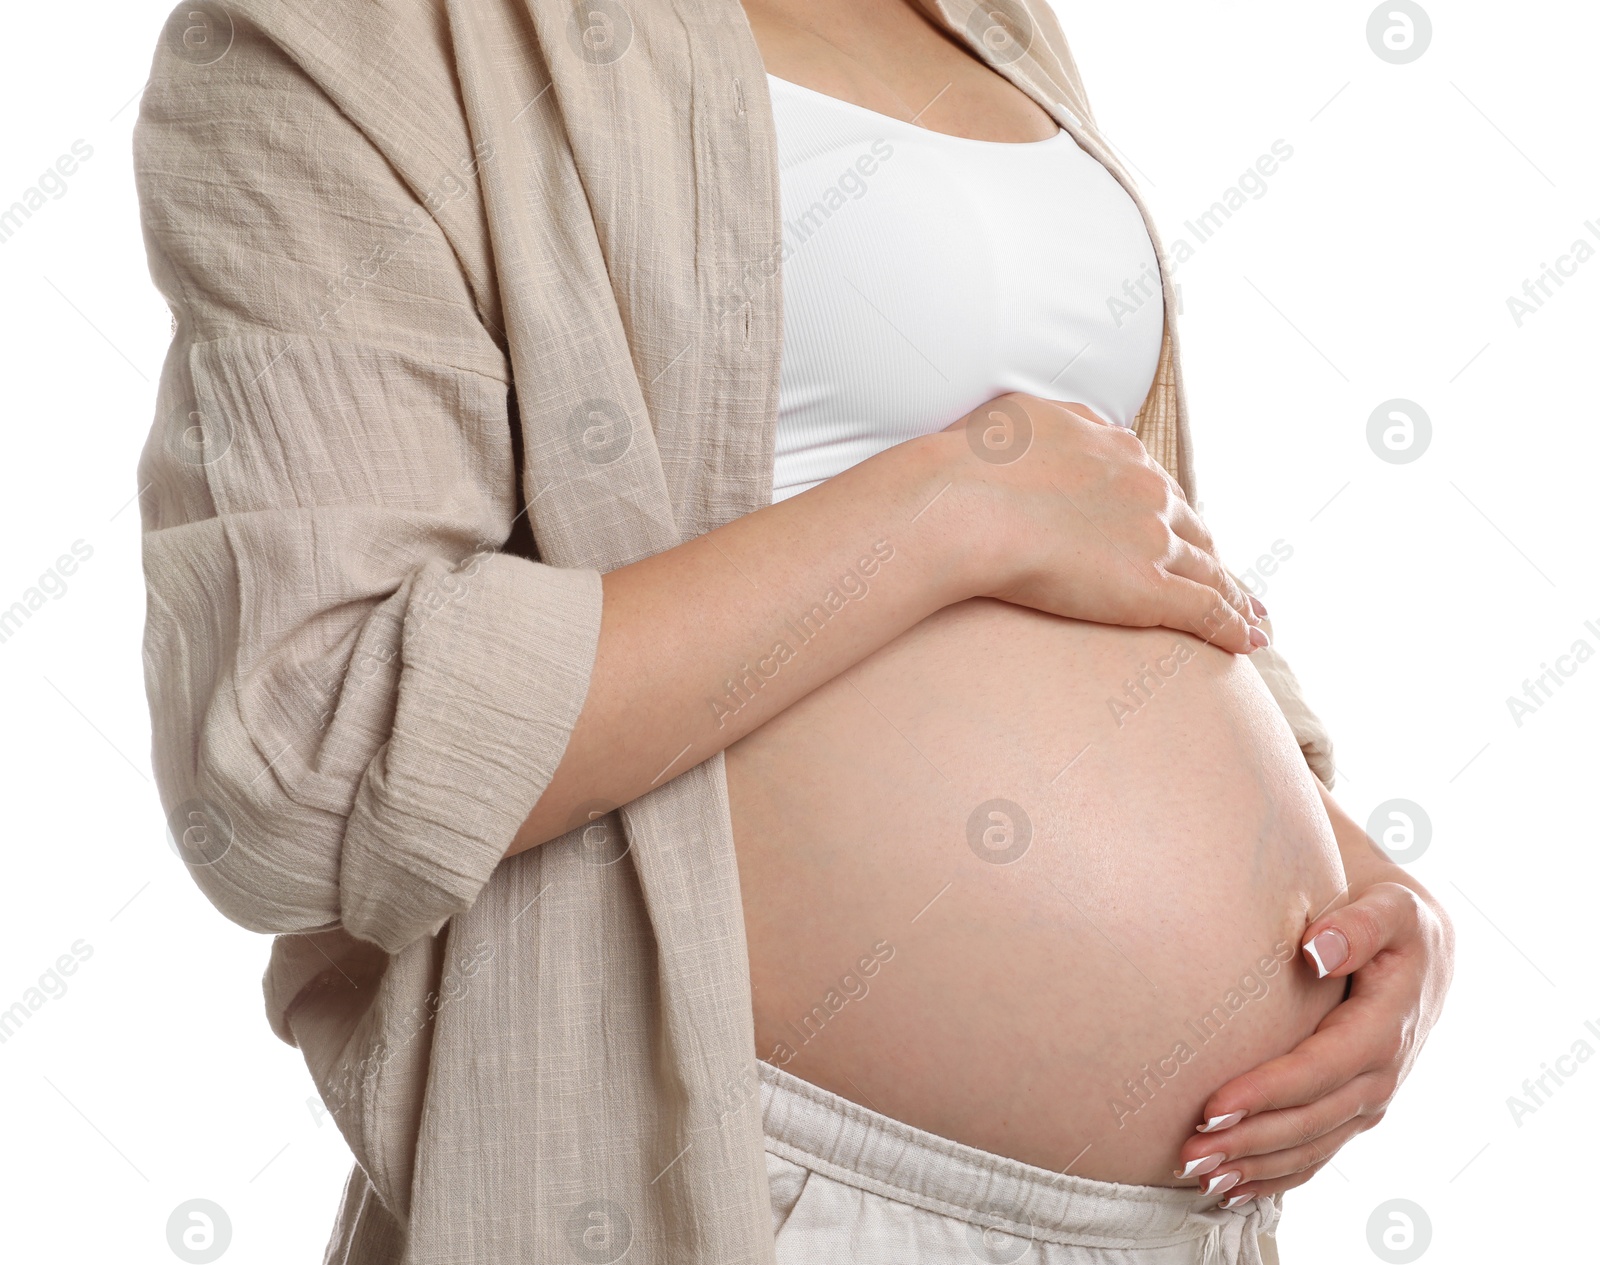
272 868
274 864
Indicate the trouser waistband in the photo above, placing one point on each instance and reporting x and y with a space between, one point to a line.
849 1143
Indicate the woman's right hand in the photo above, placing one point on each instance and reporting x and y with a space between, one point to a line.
1082 522
1037 504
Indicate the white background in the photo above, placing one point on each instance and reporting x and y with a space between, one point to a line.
1417 598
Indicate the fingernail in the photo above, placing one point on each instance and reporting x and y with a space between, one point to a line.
1199 1167
1258 639
1327 951
1221 1182
1217 1123
1257 605
1233 1201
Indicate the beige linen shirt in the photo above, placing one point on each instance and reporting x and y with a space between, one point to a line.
474 301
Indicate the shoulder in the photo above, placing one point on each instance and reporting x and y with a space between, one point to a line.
386 63
317 119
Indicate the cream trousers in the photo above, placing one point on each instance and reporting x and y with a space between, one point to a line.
855 1187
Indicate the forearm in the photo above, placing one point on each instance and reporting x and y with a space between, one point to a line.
701 644
1365 863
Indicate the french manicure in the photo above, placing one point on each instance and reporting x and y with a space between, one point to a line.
1199 1167
1258 639
1233 1201
1218 1123
1327 951
1221 1182
1257 606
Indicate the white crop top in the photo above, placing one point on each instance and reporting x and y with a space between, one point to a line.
924 274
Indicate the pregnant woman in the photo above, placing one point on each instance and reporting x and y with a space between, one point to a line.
673 590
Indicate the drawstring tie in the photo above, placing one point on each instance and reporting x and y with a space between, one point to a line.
1237 1239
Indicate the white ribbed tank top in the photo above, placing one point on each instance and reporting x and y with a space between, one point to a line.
924 274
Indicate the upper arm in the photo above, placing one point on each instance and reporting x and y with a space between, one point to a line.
345 671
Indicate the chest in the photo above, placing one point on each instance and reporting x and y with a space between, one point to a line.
926 273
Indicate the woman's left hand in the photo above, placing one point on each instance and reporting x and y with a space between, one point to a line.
1299 1108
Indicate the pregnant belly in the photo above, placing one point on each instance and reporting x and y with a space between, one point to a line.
1033 884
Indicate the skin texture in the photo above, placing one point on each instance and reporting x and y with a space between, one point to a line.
1153 911
889 57
1083 525
1307 1103
1304 1106
1084 528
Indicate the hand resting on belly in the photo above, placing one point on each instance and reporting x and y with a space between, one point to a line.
968 672
1034 884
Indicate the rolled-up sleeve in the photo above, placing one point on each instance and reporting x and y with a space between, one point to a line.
357 693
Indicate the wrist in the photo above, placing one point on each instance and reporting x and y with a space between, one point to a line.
957 514
944 526
1366 865
1365 862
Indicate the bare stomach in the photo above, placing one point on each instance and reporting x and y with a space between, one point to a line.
1033 884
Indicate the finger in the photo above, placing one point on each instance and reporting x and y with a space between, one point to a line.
1348 1043
1201 566
1257 606
1198 608
1245 1192
1190 527
1177 491
1188 524
1241 1177
1271 1131
1385 915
